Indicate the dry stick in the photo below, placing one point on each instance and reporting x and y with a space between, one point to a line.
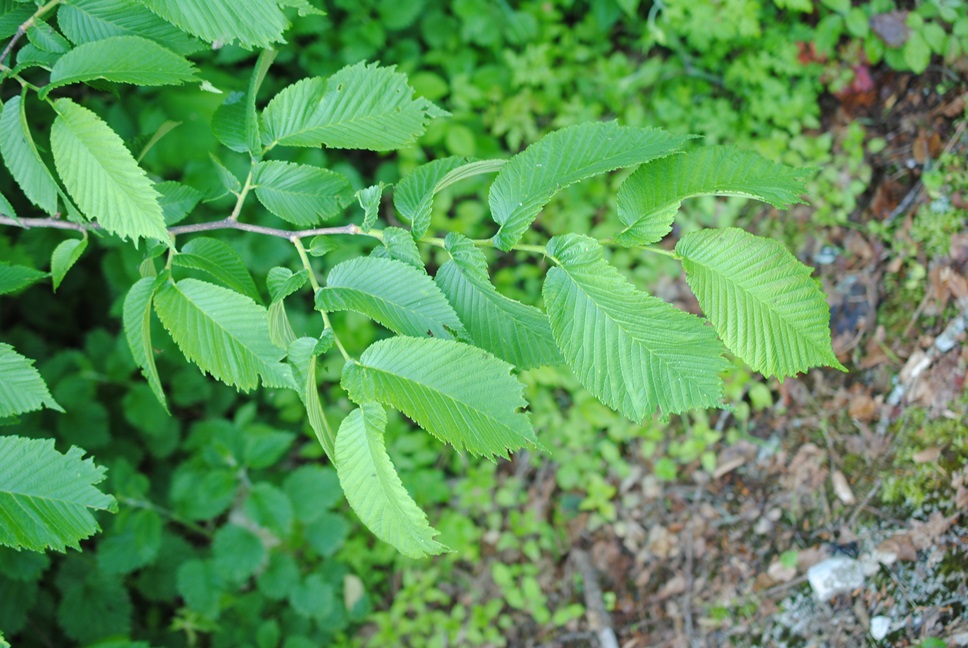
598 617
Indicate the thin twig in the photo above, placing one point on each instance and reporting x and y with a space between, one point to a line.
27 24
598 617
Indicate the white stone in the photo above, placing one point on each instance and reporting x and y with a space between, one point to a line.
834 576
880 626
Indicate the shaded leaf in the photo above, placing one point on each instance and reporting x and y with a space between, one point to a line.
302 358
413 196
15 277
137 329
400 246
301 194
22 389
221 261
22 159
283 282
177 200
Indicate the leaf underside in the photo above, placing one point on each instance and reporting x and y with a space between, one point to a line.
46 498
649 199
223 332
301 357
254 23
137 329
516 333
83 21
531 178
458 393
22 389
396 295
635 352
374 489
762 301
413 196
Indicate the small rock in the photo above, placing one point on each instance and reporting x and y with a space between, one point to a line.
880 626
837 575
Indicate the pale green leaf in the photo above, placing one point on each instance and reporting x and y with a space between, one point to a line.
177 200
301 194
46 38
103 177
121 59
63 258
322 245
634 352
762 301
225 333
221 261
649 199
302 357
84 21
15 277
530 179
136 319
360 107
400 245
512 331
458 393
374 489
22 389
22 159
413 196
283 282
6 209
369 200
254 23
396 295
280 329
469 170
303 7
47 498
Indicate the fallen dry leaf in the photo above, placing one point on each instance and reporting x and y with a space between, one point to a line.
781 573
842 488
928 455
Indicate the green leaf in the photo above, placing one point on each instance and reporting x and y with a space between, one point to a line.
327 534
132 543
177 200
46 38
6 209
400 246
228 122
226 177
374 489
237 553
762 301
93 605
15 277
314 598
396 295
458 393
201 587
649 199
322 245
413 197
221 261
283 282
46 498
280 329
313 490
917 53
360 107
21 387
634 352
301 194
270 508
22 159
254 23
226 334
121 59
280 577
369 200
512 331
530 179
64 257
469 170
103 177
137 330
84 21
302 359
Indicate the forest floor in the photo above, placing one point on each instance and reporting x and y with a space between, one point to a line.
867 466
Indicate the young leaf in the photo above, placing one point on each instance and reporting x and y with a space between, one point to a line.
254 23
301 194
413 197
649 199
121 59
530 179
46 498
83 21
103 177
302 357
283 282
374 489
360 107
226 334
221 261
458 393
22 159
396 295
15 277
64 257
21 387
177 200
46 38
369 200
512 331
137 329
401 246
762 301
635 352
228 122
